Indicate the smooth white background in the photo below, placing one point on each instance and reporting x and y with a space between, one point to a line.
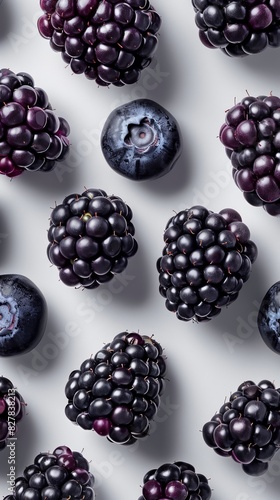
206 362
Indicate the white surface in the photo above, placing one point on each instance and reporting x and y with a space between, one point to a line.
206 362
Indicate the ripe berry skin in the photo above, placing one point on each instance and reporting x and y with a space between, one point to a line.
214 255
238 28
109 42
90 238
245 426
23 315
33 137
124 393
250 135
141 140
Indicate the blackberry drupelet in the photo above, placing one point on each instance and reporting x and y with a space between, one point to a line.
32 136
55 476
12 410
117 392
110 41
206 259
239 28
91 238
251 136
247 426
177 481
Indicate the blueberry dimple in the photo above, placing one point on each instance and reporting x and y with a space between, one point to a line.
141 140
23 315
269 318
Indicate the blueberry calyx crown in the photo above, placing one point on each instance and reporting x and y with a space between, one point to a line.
142 136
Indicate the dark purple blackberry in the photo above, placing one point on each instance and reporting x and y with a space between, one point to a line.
239 28
246 427
206 259
251 136
32 136
55 476
117 392
110 41
177 481
90 238
12 410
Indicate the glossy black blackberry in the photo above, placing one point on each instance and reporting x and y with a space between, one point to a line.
109 41
206 259
117 392
32 136
247 426
177 481
12 410
91 238
239 28
251 136
55 476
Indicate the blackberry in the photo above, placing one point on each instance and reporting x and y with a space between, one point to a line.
55 476
251 136
206 259
90 238
110 41
117 392
246 427
12 410
239 28
32 136
177 481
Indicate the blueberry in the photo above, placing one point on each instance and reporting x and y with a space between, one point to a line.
141 140
269 318
23 315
